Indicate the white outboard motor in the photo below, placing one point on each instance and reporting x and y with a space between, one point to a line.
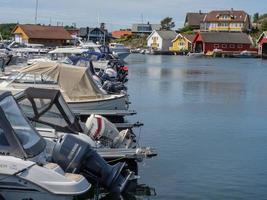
111 73
100 129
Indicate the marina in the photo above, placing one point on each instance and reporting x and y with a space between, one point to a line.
95 105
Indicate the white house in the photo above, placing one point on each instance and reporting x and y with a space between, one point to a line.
160 40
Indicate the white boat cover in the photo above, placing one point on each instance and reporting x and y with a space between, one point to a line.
76 82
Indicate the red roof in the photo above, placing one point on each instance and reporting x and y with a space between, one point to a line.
120 33
236 16
44 32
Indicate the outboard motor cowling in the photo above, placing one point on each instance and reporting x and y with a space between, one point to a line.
100 129
75 155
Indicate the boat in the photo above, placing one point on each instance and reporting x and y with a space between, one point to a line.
47 110
75 83
119 50
22 179
73 153
245 54
196 55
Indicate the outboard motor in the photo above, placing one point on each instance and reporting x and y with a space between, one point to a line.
113 87
100 129
75 155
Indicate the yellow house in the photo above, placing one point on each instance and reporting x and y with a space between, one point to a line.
182 42
40 34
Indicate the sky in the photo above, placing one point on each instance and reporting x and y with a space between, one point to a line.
116 13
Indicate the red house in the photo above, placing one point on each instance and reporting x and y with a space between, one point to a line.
262 44
225 41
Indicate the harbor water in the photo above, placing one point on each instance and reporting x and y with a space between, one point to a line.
207 117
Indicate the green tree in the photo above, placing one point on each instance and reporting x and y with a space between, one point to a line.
255 17
264 25
167 23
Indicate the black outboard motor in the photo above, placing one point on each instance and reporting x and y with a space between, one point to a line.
75 155
113 87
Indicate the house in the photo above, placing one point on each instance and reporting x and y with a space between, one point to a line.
194 19
145 28
40 34
96 35
121 33
225 41
182 42
73 32
226 20
262 45
160 40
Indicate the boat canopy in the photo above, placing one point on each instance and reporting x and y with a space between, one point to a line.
75 82
47 107
17 136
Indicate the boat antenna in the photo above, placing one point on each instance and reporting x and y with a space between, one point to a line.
36 11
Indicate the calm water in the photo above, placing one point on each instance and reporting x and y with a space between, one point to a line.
208 120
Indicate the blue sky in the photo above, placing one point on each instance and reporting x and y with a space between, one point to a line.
116 13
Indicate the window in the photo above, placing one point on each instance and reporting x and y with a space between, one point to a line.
216 46
224 46
27 136
240 46
232 46
3 140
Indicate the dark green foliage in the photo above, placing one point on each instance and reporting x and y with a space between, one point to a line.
6 29
255 17
186 29
167 23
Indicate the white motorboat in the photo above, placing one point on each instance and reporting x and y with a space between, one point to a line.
47 108
21 179
73 153
119 50
75 83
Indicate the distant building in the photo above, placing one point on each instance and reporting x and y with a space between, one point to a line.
227 21
262 44
225 41
121 33
194 19
183 42
40 34
96 35
74 32
160 40
145 28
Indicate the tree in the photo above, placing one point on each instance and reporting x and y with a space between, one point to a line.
255 17
264 25
167 23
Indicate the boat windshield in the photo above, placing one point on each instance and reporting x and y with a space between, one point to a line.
66 109
27 136
29 78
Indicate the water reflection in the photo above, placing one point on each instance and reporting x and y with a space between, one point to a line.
141 192
201 82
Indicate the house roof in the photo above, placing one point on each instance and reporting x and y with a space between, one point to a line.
264 34
44 32
120 33
225 37
150 26
237 15
83 31
167 35
189 37
194 19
